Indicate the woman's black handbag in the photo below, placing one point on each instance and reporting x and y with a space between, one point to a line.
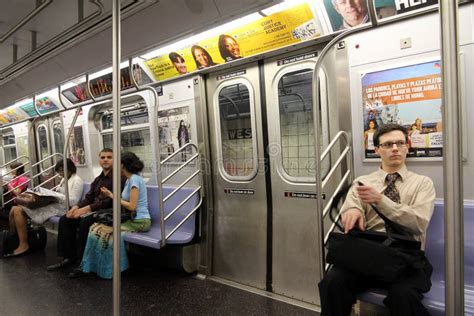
386 257
106 216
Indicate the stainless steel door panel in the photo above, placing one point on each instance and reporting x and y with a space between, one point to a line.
240 211
295 264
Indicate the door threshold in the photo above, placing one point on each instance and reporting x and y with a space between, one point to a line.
274 296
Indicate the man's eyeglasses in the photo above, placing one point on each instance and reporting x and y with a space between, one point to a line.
389 145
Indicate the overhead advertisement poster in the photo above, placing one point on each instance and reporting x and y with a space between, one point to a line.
344 14
103 85
409 96
13 114
284 28
46 105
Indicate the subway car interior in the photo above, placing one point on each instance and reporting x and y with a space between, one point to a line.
249 119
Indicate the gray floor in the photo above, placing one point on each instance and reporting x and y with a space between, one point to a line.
26 288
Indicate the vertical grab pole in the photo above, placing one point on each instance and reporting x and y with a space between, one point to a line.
452 162
155 139
116 148
66 147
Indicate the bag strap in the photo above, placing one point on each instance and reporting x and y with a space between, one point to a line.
334 211
392 226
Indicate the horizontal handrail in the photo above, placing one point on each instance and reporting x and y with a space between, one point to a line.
34 176
180 150
335 166
186 218
46 158
181 185
12 161
14 169
338 189
182 203
43 172
180 167
333 142
46 181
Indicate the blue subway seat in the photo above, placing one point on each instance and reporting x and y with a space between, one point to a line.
183 235
152 238
434 300
86 188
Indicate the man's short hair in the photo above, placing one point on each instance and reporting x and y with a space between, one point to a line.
106 150
387 128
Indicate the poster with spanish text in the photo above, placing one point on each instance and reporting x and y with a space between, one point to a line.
409 96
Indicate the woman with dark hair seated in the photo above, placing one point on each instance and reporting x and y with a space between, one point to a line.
20 214
19 183
99 249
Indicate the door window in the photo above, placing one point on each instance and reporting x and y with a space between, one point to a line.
43 143
295 102
237 131
58 138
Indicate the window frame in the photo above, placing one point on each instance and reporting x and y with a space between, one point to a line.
220 158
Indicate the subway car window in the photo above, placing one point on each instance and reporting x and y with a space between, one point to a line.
43 144
237 132
58 138
9 146
135 136
296 123
133 115
137 142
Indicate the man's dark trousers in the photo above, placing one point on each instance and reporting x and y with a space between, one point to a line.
339 288
70 246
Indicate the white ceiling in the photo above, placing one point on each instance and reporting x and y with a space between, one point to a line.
59 57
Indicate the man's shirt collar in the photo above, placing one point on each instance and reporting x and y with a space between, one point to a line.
403 172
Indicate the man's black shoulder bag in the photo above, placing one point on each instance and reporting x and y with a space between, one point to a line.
386 257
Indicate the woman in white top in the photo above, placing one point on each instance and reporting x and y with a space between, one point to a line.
20 214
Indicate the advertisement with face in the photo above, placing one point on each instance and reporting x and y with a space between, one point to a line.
280 29
409 96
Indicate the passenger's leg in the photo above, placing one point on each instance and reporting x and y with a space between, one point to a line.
84 226
20 221
67 237
11 221
338 292
404 297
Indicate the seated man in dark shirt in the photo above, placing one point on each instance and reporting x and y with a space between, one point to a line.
74 226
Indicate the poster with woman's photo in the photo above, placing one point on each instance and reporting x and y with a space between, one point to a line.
174 132
409 96
76 146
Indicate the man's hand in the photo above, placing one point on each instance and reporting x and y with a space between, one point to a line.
81 211
352 218
72 211
368 194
